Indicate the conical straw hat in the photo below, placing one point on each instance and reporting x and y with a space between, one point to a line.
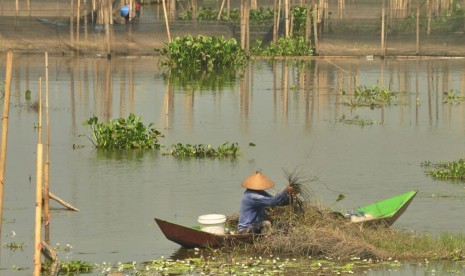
257 181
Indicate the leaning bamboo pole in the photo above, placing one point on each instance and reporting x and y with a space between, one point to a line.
62 202
6 110
39 175
166 21
221 10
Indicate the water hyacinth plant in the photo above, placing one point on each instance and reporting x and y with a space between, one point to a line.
453 170
371 96
201 150
290 46
122 133
203 53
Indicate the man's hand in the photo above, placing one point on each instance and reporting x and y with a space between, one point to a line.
290 191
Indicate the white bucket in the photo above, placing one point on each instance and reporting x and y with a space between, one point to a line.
212 223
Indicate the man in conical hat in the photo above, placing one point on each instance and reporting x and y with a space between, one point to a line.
255 200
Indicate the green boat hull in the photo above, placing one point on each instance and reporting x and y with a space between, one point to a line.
385 211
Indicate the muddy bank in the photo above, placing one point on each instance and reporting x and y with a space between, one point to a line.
57 36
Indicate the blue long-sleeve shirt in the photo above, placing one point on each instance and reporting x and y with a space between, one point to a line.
253 205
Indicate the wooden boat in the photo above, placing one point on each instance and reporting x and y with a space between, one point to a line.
382 212
192 237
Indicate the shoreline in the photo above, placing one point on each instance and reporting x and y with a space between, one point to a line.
57 37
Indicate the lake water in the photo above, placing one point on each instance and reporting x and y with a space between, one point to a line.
295 113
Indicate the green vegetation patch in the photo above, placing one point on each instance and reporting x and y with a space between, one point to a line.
201 150
203 53
291 46
371 96
358 121
454 170
122 133
453 97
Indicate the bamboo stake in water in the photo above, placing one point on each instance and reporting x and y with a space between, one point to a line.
39 175
6 104
47 161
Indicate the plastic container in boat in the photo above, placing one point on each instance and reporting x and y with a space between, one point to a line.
213 223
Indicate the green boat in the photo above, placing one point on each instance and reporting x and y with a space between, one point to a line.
382 212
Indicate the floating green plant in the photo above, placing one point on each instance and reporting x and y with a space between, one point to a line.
260 14
122 133
14 245
371 96
195 80
76 266
290 46
453 97
454 170
358 121
201 150
202 53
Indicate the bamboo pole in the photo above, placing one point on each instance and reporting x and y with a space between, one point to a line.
106 16
39 175
78 21
418 29
51 255
47 161
71 24
221 11
247 25
6 110
194 10
315 25
286 17
383 46
62 202
275 22
308 22
242 24
166 21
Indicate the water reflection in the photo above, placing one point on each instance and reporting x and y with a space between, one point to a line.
290 110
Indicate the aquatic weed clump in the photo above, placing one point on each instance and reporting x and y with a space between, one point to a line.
202 150
122 133
203 53
373 96
453 170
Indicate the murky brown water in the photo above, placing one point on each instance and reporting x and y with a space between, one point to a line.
291 111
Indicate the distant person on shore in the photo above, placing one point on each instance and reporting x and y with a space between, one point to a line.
125 12
137 8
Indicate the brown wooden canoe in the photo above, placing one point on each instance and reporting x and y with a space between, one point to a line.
190 237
